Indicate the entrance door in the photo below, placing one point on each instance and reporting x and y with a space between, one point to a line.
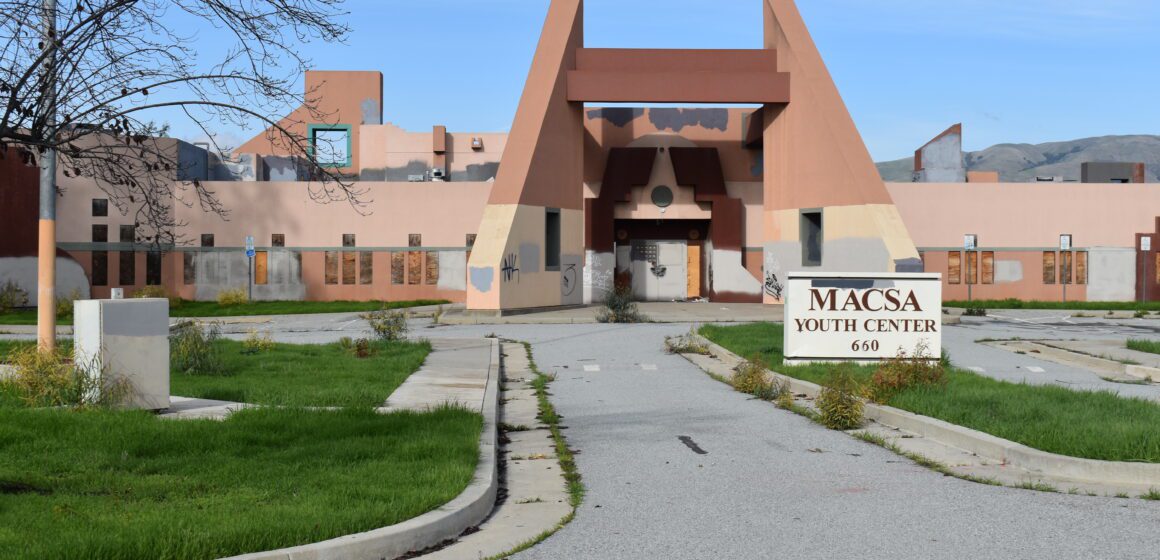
693 270
659 270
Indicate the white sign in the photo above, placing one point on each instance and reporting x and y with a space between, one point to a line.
1145 243
249 243
837 317
1065 242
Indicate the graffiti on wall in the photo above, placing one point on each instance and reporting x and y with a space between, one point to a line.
568 280
773 286
510 268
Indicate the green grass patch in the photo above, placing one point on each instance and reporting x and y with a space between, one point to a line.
1093 425
1142 345
110 485
306 374
1064 305
213 309
8 347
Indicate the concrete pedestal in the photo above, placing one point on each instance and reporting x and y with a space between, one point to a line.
127 340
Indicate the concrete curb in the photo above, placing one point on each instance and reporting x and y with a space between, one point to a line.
449 521
986 445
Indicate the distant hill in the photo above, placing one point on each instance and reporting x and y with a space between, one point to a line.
1023 162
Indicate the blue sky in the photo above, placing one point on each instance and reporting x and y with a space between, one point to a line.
1010 70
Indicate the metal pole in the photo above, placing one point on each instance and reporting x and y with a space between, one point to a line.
251 296
46 249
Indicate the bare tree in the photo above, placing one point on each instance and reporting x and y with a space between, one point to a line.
81 79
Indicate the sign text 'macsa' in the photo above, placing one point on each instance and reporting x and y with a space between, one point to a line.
875 300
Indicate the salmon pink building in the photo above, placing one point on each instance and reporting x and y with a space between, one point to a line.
753 168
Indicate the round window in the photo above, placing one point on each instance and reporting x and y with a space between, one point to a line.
662 196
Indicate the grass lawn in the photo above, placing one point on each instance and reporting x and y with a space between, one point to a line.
212 309
1094 425
305 375
1141 345
1065 305
109 485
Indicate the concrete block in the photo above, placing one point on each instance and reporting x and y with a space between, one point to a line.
127 340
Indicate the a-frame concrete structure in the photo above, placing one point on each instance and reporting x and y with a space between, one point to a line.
530 250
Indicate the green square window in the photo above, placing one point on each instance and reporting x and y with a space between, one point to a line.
331 144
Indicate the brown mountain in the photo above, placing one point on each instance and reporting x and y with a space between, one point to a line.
1024 162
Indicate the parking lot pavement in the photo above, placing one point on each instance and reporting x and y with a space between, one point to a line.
677 465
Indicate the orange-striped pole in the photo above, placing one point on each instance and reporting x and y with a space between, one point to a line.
46 249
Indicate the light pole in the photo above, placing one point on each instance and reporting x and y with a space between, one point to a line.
46 248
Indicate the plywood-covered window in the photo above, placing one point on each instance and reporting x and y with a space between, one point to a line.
278 240
1081 269
366 267
414 268
100 268
153 268
330 269
261 267
189 268
349 267
128 259
1065 267
988 267
415 240
972 267
398 268
954 267
432 276
1049 267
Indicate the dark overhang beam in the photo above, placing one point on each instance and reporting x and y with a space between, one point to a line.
677 76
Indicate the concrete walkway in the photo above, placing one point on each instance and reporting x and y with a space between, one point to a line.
450 375
656 312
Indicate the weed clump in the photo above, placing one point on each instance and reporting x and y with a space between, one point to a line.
903 372
975 312
360 348
256 342
12 296
52 379
686 344
236 296
752 377
388 325
66 303
840 402
193 349
620 307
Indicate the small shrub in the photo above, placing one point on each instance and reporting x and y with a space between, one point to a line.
388 325
620 307
150 292
193 349
785 399
256 342
753 377
51 379
437 315
975 312
1140 314
65 304
236 296
903 372
12 296
360 348
839 402
346 343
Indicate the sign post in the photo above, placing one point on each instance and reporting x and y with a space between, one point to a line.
250 255
840 317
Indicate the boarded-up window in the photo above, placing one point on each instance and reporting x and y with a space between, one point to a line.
207 240
432 275
261 267
278 240
1065 267
954 267
414 268
331 268
470 240
100 268
100 233
349 270
972 267
398 268
988 267
414 240
1081 267
189 271
1049 267
153 268
348 240
128 259
366 267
